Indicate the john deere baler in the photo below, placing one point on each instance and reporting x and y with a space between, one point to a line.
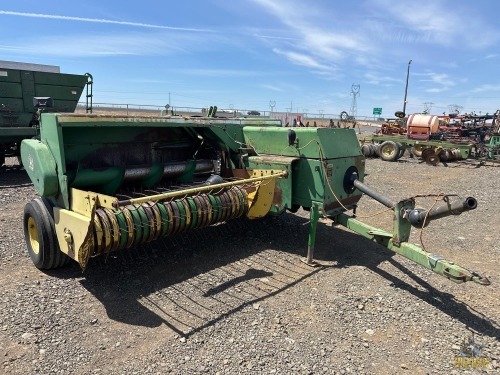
108 183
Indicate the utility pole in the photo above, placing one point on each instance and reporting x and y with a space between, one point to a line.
427 107
406 88
354 104
272 104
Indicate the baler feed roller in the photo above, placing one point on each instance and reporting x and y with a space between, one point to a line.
135 224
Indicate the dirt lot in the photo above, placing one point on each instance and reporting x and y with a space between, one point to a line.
235 298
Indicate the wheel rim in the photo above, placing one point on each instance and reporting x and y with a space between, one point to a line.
33 235
389 150
418 149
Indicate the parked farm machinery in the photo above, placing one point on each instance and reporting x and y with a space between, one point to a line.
19 112
108 183
392 148
435 139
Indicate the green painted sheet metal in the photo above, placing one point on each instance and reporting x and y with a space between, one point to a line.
322 155
28 88
60 79
10 75
18 87
16 134
11 90
334 143
317 181
40 166
12 105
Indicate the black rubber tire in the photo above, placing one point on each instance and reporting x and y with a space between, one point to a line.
401 150
2 159
366 150
389 151
48 256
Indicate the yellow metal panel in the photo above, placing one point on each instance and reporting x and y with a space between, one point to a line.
260 200
83 202
74 234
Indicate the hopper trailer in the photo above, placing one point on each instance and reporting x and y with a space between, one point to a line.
20 84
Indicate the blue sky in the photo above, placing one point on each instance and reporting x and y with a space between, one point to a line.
246 53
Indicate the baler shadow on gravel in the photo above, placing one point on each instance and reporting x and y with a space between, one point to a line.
108 183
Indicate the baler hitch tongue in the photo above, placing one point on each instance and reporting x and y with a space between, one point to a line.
420 217
417 217
481 280
405 216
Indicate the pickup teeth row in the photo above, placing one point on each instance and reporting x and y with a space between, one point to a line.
136 224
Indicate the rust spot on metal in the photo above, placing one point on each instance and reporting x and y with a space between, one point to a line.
278 197
273 159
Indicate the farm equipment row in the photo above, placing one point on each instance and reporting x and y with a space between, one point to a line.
434 139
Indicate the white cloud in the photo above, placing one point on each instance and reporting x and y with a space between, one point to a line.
304 60
487 88
274 37
436 22
223 72
314 46
375 79
97 45
272 88
436 90
100 20
442 80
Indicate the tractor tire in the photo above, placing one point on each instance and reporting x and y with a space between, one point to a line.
2 159
401 150
366 150
40 235
417 150
376 149
389 151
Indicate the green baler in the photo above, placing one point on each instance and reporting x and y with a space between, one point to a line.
20 83
111 182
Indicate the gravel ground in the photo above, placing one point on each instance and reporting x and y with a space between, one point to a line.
235 298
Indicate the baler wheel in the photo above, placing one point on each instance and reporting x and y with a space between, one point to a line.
389 151
40 235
